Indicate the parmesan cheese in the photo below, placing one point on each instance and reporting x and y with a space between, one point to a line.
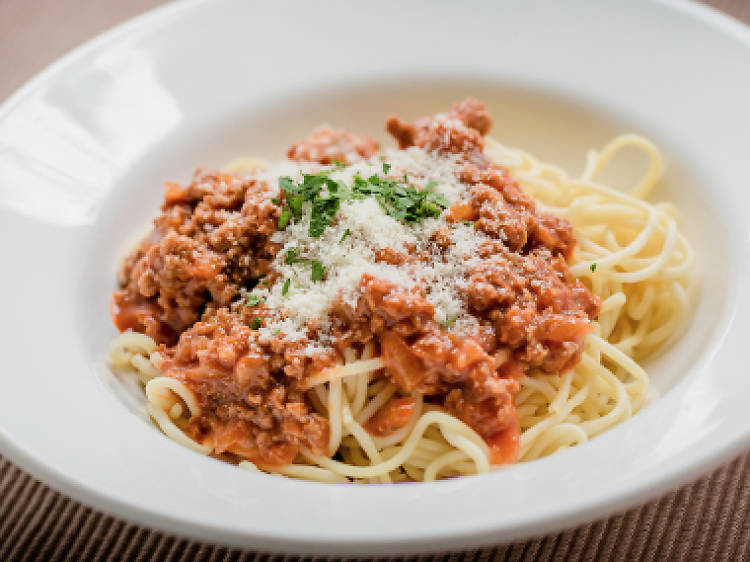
347 249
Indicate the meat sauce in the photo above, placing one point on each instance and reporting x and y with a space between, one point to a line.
181 287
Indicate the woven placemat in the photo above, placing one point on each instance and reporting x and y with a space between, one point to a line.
707 520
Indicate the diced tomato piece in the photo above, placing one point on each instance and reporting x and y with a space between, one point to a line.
462 211
504 445
394 415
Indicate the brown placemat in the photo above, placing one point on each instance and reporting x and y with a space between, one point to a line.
707 520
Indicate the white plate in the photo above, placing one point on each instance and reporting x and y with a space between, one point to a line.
85 146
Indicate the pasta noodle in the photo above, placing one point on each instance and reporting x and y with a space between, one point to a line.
631 255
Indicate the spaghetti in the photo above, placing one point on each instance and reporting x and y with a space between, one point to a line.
629 253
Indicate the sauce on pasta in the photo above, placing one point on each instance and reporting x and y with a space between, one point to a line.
427 266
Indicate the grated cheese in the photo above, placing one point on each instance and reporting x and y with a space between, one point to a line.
346 258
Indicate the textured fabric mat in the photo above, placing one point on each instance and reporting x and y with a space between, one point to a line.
707 520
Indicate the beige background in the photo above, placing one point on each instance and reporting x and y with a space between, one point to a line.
708 520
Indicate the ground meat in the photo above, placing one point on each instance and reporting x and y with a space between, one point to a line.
326 146
503 211
389 255
211 238
422 356
533 307
442 135
250 407
458 130
472 113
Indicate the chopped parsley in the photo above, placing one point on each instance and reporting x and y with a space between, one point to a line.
322 212
318 270
292 256
284 218
593 267
347 232
324 203
252 300
255 325
468 223
401 200
449 322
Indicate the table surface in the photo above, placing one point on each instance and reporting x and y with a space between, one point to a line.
707 520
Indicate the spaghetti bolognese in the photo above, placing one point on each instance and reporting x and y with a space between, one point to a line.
353 314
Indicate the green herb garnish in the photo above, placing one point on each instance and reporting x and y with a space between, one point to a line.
284 218
324 203
285 288
255 325
593 267
322 212
347 232
318 269
292 256
449 322
252 300
401 200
